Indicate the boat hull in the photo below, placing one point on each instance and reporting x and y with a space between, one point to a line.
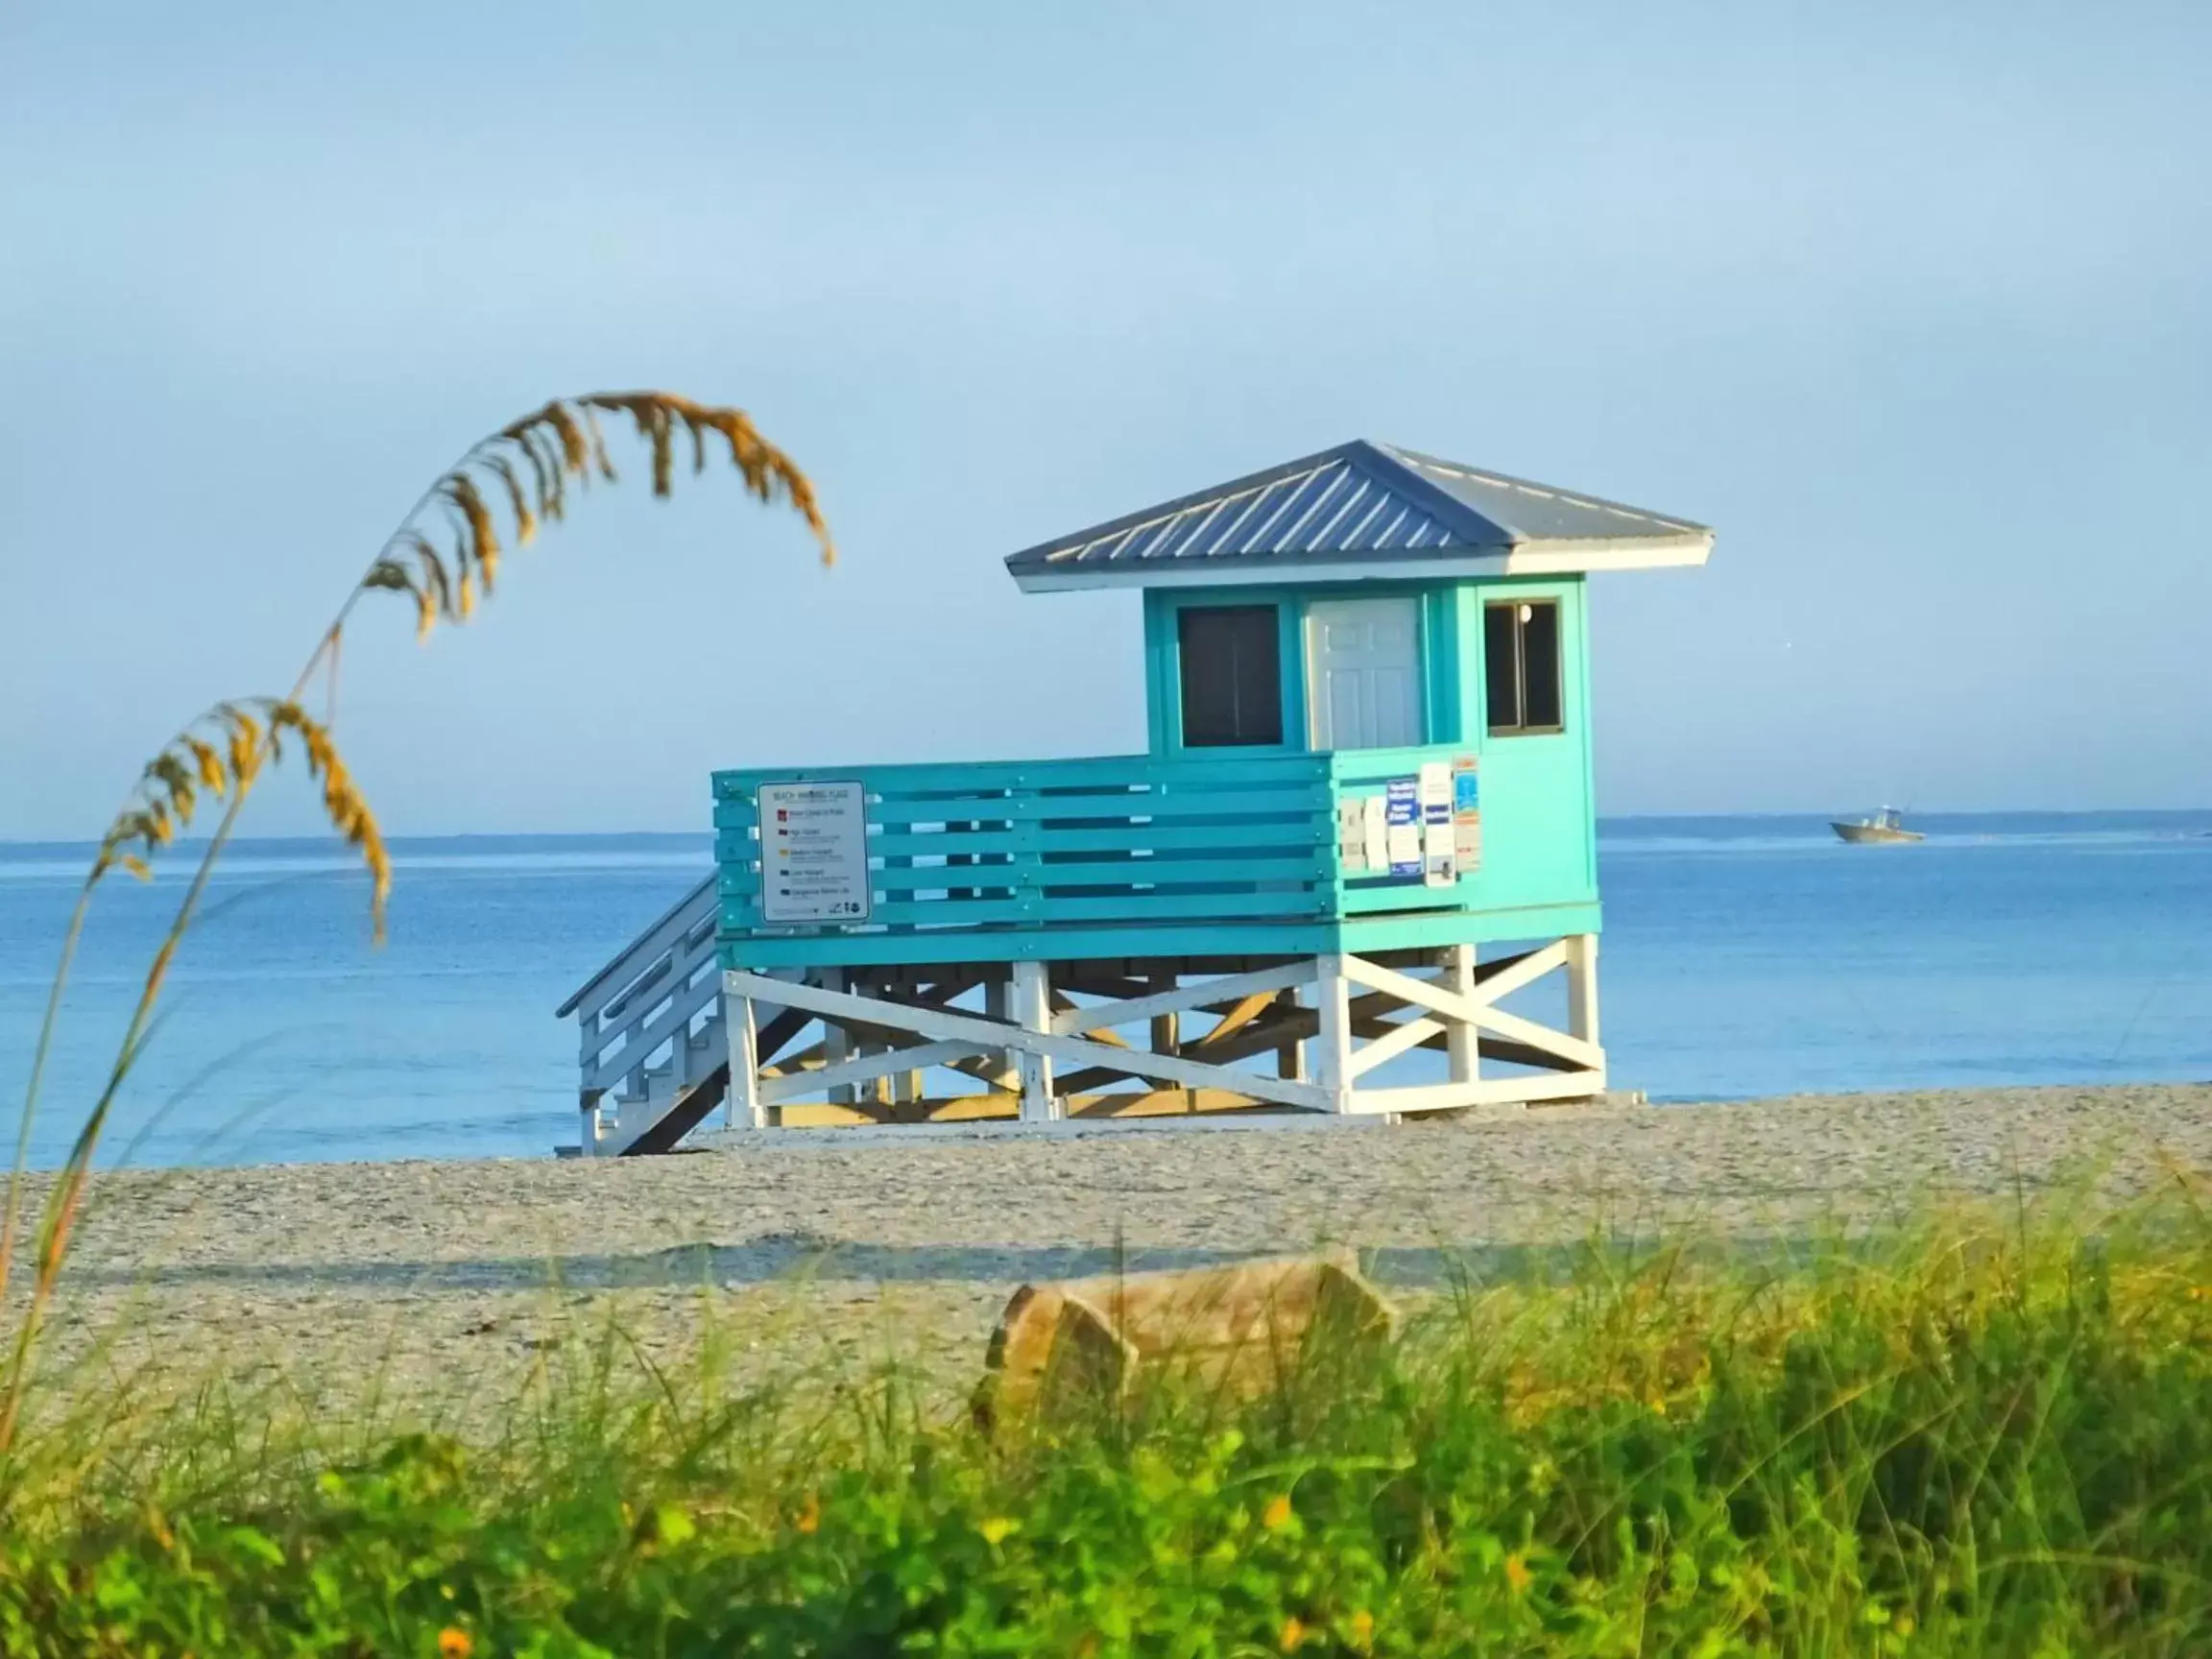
1875 835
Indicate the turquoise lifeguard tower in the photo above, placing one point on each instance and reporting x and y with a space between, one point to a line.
1365 818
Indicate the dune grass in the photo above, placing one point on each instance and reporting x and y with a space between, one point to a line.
1986 1433
445 552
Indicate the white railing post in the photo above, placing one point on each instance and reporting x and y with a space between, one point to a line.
1462 1038
745 1108
645 1002
1582 987
1030 989
838 1044
1332 1047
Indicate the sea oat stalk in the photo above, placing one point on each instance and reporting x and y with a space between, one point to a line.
223 752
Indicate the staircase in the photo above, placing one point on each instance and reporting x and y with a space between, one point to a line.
652 1058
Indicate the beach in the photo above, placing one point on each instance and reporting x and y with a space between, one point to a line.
429 1286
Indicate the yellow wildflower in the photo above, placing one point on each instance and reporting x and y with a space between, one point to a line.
1517 1573
1363 1629
455 1644
809 1516
1277 1514
1293 1635
997 1529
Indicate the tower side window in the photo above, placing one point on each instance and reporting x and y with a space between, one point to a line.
1232 672
1521 667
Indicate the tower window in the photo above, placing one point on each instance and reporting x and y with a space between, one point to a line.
1232 669
1520 666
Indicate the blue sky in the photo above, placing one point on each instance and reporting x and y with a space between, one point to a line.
1910 302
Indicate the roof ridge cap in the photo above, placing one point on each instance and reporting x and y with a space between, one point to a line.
1479 528
1529 485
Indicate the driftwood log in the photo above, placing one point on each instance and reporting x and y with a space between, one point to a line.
1241 1329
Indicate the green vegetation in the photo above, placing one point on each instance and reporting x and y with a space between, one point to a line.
1989 1435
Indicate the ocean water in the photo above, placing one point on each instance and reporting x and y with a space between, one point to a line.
1741 956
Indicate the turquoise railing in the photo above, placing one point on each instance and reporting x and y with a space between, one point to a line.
1124 844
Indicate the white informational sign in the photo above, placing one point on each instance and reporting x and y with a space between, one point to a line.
1375 824
1439 860
1402 816
1352 837
1433 787
1466 814
813 852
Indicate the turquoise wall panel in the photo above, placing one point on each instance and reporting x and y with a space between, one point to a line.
1539 828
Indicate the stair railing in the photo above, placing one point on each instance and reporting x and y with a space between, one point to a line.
638 1024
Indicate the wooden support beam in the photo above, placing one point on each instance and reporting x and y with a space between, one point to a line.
867 1069
1186 996
934 992
1047 1045
1485 971
1279 1027
1526 969
808 1059
1498 1049
1511 1054
1333 1040
988 1068
1246 1010
1394 1041
1289 1055
997 1000
836 1038
1489 1092
1120 987
1166 1103
987 1108
1064 1054
879 1087
1030 989
1473 1011
775 1035
1463 1042
1581 953
747 1109
932 1109
1063 1003
1166 1033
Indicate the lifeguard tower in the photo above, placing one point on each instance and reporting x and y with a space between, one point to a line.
1365 819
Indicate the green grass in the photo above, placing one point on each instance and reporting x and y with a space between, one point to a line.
1983 1434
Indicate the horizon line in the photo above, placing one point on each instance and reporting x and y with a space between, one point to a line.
8 842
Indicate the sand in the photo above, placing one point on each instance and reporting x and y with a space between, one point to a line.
433 1284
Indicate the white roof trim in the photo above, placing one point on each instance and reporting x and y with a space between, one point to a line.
1544 559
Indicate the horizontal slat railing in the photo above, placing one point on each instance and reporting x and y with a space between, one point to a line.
1123 843
1128 841
643 955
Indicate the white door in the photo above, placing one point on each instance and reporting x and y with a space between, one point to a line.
1363 673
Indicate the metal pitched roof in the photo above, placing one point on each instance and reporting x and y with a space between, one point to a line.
1359 511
